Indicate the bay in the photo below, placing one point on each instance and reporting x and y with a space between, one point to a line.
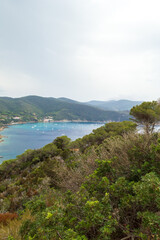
21 137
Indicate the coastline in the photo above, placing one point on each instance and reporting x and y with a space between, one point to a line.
56 121
1 136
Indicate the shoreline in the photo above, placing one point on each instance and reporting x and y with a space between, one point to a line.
53 121
1 136
64 120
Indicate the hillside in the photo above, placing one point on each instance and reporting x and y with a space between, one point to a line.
59 109
113 105
104 186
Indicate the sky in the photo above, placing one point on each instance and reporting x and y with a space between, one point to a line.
80 49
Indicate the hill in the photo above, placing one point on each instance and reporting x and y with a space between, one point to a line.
59 109
69 100
104 186
113 105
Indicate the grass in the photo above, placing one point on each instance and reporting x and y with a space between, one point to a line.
10 230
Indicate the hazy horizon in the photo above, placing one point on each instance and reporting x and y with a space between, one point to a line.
83 50
76 99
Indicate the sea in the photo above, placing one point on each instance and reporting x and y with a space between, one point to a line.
18 138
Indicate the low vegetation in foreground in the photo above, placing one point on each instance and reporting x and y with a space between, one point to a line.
103 186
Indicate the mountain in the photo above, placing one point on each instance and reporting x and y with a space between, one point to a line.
68 100
59 109
113 105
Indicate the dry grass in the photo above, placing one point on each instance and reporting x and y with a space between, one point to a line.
6 217
13 226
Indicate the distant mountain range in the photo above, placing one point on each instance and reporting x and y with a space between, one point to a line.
64 108
113 105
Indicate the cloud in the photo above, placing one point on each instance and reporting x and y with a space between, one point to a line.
16 84
95 49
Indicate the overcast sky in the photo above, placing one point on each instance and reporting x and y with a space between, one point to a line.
80 49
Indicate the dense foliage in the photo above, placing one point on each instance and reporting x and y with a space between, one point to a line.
107 189
146 114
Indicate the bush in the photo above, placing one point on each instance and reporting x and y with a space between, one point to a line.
6 217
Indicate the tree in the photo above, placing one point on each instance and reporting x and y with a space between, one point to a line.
146 114
62 142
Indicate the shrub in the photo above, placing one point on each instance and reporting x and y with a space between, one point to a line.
6 217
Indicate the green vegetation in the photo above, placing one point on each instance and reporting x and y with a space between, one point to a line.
146 114
34 108
99 135
103 186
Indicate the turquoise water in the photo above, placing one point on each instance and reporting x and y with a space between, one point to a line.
19 138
